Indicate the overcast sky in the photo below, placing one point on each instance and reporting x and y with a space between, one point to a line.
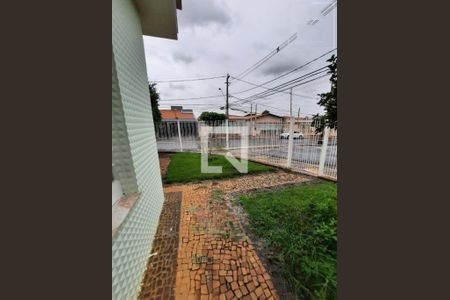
216 37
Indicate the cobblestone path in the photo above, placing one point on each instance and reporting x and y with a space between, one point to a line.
159 279
213 258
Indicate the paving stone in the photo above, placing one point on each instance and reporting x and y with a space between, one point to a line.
204 289
250 286
229 295
253 296
244 290
208 255
161 270
215 284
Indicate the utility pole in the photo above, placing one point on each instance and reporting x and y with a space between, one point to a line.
298 119
227 84
227 115
256 120
290 101
251 118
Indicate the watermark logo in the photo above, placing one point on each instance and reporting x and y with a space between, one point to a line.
225 131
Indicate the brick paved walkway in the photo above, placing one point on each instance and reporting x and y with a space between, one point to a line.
159 279
215 259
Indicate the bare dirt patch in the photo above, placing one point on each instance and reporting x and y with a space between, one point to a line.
164 161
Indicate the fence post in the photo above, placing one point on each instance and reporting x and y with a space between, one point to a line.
179 136
323 151
291 143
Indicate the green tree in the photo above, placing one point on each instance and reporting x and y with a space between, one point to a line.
210 116
154 99
328 101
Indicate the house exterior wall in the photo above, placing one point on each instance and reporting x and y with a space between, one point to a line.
121 153
303 126
133 124
267 124
269 118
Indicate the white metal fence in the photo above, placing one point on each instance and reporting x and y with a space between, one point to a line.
269 143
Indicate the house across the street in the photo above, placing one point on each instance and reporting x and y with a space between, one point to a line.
264 123
176 118
177 113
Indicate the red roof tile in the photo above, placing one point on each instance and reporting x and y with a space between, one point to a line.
175 114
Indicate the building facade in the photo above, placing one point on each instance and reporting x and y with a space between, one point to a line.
137 186
176 118
264 123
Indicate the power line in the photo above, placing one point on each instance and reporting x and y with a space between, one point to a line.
281 109
267 57
285 86
187 104
184 80
239 92
265 105
199 104
193 98
328 8
252 96
305 82
289 72
270 89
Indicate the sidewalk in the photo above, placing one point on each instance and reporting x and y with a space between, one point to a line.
209 257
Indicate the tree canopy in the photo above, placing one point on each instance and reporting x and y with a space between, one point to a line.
211 116
328 101
154 99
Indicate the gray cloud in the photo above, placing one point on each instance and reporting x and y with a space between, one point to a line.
279 67
217 37
182 57
177 86
225 57
259 45
202 13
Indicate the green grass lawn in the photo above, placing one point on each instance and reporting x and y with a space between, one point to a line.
185 167
299 224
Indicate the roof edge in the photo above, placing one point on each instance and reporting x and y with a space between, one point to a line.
159 17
